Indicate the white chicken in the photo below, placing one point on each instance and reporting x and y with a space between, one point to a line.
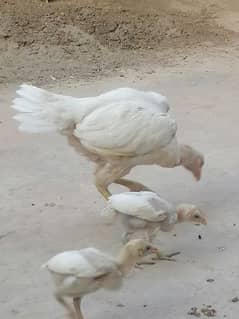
77 273
148 211
117 130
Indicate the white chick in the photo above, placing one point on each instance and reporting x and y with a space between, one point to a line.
80 272
149 212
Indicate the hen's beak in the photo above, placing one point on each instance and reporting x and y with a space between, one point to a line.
197 173
197 169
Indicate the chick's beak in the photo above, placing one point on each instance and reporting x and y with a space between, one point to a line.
204 221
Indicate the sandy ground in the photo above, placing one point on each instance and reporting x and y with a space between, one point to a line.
74 40
49 203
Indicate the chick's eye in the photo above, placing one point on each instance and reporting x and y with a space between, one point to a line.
196 216
148 247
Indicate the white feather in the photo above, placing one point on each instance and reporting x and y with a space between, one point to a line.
122 128
144 205
115 122
44 111
87 262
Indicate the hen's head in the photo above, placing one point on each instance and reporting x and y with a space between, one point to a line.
192 160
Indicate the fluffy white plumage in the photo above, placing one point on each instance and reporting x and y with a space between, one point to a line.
117 130
148 211
85 263
99 131
77 273
144 205
45 111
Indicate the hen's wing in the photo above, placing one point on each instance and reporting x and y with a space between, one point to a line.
126 129
88 262
145 205
129 94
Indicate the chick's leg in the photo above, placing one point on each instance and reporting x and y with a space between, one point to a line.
168 257
132 185
150 234
158 256
77 303
126 237
62 301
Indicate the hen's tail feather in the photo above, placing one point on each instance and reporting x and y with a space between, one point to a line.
43 111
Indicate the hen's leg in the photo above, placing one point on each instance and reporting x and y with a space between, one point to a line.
103 179
107 173
132 185
77 302
103 190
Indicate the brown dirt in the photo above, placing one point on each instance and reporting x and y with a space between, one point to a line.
76 39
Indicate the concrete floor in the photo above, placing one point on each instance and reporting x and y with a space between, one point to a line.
49 204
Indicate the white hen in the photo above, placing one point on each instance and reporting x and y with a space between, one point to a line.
77 273
117 130
148 211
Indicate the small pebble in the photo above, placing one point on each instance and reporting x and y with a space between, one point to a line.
50 204
208 311
235 299
199 237
194 312
210 280
15 312
120 305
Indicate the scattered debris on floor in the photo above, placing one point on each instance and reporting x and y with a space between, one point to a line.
6 234
235 299
194 312
210 280
208 311
50 204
